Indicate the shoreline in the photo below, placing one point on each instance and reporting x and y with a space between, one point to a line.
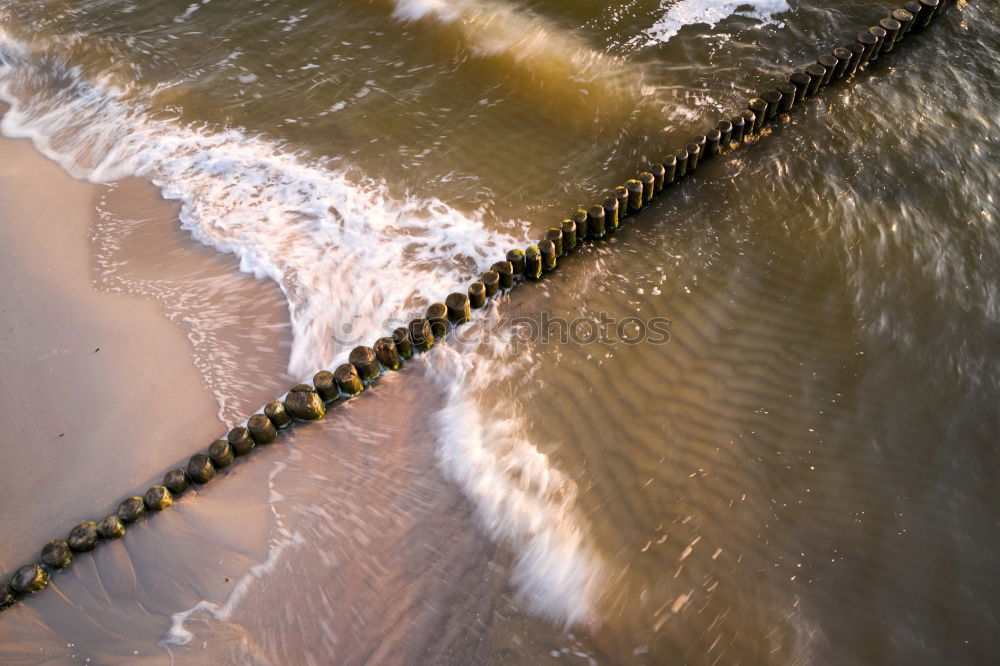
107 267
122 601
105 380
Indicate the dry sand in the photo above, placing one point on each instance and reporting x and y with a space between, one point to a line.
99 391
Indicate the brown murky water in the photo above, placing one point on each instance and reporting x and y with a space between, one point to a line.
800 472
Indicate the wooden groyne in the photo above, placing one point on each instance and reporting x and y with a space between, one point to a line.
310 402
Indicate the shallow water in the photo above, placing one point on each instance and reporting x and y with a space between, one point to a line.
800 473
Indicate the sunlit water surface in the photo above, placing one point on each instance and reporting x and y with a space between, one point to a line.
802 473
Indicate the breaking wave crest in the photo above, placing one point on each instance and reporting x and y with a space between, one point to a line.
555 60
681 13
347 256
521 499
343 253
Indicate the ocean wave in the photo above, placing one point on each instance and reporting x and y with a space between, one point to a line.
348 257
680 13
344 253
521 499
552 61
492 28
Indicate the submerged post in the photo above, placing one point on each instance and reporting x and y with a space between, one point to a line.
648 182
505 269
477 290
669 169
843 57
772 98
261 429
569 239
801 82
829 64
595 222
532 263
437 315
725 128
401 337
348 380
554 234
459 308
516 260
634 188
610 213
787 91
275 410
388 355
421 335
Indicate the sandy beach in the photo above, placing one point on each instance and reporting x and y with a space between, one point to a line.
106 377
105 393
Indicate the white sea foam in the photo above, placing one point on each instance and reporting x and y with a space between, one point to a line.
521 499
344 253
680 13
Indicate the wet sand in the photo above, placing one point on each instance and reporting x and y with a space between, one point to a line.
384 558
100 387
101 378
381 560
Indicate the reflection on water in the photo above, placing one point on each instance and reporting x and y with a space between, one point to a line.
801 475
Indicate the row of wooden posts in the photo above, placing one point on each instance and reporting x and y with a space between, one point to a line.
307 402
